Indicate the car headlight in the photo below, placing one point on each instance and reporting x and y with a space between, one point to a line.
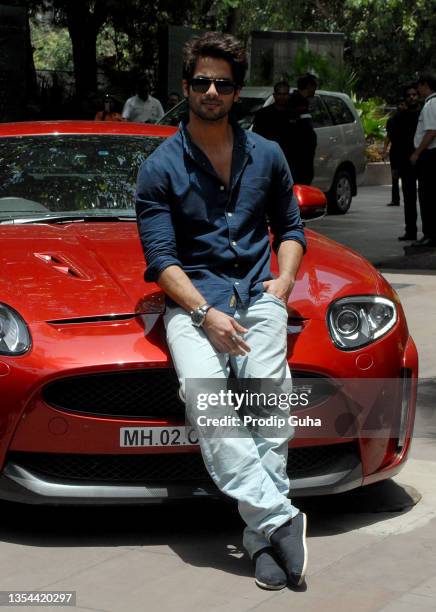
359 320
14 335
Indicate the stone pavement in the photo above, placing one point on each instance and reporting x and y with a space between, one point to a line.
188 558
370 551
372 228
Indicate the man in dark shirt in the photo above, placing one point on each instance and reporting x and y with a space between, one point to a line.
272 121
202 201
289 123
302 143
401 131
395 190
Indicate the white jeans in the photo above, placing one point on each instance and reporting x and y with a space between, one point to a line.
252 468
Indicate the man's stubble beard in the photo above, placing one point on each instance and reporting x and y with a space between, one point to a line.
203 114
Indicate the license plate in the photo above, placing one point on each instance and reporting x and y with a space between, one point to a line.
158 436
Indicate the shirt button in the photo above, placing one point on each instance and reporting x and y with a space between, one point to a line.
222 188
237 283
229 214
234 243
236 265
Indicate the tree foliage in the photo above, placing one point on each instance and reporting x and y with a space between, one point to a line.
51 47
387 41
373 116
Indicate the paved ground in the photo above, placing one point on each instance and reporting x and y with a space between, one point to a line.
374 551
372 228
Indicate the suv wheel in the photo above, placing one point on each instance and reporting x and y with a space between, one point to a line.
340 195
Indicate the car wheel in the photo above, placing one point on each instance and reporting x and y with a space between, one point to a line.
340 195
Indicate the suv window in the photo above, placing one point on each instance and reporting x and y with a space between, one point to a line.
339 110
320 115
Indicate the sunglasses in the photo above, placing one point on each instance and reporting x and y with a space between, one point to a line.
202 85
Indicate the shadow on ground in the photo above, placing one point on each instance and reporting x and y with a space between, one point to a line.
413 259
206 533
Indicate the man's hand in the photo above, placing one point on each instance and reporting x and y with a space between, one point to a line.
414 158
281 287
224 333
428 138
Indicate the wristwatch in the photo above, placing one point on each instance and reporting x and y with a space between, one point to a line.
199 314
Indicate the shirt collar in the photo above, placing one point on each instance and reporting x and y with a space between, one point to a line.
241 139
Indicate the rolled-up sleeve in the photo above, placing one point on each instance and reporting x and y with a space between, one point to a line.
283 211
154 220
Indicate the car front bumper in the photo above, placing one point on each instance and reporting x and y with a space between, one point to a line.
20 482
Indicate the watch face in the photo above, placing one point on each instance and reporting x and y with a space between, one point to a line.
197 317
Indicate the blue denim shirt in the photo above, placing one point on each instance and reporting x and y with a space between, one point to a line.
218 236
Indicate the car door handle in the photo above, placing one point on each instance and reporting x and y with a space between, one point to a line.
333 139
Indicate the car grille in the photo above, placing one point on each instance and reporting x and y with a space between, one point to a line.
171 467
145 394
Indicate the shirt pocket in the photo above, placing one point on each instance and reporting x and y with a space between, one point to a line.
191 204
253 194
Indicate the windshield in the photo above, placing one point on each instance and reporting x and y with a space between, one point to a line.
243 111
64 175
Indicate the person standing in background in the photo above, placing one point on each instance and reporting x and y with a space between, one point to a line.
395 193
303 140
143 108
173 99
111 108
272 122
401 132
424 157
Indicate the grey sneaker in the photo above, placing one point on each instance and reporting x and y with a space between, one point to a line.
289 545
268 573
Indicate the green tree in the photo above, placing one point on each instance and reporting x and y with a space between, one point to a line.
84 20
387 41
127 29
51 47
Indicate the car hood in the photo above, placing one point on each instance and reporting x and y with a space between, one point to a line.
92 270
330 271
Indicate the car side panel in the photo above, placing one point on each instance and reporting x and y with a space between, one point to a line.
352 138
354 143
329 152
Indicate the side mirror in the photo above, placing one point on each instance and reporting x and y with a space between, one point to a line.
312 202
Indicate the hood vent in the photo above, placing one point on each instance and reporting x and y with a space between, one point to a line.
61 264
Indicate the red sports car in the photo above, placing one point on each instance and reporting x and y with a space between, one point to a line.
90 411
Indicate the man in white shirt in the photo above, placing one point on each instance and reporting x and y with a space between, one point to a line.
143 108
424 157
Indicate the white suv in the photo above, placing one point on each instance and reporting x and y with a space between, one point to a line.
340 153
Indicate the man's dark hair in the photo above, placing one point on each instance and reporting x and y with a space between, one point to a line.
429 78
281 85
306 80
407 87
218 45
